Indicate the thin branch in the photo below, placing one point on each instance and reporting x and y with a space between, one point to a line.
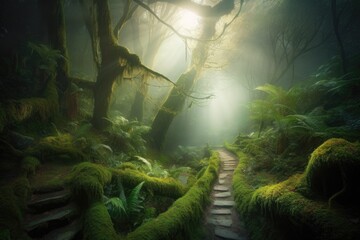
185 37
159 75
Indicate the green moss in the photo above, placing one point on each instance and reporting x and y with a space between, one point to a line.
87 181
98 224
21 189
284 213
29 165
333 170
60 145
20 110
10 213
168 187
185 213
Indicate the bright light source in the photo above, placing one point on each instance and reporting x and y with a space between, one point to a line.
188 20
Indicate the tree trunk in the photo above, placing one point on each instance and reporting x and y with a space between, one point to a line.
109 68
137 109
172 106
53 12
175 101
336 21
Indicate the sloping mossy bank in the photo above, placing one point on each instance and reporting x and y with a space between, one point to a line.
281 211
88 179
185 213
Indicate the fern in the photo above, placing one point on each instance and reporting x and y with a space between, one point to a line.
123 210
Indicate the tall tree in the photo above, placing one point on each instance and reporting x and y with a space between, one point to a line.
176 98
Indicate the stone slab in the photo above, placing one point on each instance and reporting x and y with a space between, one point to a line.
221 181
221 211
223 203
227 234
221 188
220 222
223 175
222 194
229 169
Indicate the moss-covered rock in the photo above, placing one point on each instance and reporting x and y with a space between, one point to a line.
284 213
98 224
42 107
57 146
334 171
87 181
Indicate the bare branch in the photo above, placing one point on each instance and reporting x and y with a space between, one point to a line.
185 37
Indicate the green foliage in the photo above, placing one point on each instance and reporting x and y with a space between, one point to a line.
127 136
284 211
123 210
12 201
185 213
87 181
62 144
29 165
10 214
97 223
333 170
22 109
45 58
159 186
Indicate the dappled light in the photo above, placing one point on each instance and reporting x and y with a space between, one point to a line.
181 119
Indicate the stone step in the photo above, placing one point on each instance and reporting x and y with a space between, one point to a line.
229 164
221 211
223 175
224 203
222 194
228 169
221 181
46 201
40 224
68 232
227 234
225 222
221 188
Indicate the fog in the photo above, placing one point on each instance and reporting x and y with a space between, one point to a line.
244 57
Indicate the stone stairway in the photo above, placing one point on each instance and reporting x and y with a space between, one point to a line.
221 218
52 215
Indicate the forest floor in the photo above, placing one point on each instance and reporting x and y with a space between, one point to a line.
221 220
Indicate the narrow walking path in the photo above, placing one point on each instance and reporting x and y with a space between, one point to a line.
221 218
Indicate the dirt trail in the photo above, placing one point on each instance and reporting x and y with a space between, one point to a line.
221 219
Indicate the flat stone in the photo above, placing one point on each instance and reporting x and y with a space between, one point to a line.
221 211
223 203
221 181
229 164
221 188
225 222
223 175
227 234
229 169
37 221
222 194
49 200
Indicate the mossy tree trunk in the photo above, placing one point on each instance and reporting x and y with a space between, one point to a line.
110 67
176 98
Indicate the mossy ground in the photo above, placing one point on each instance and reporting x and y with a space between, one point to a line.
289 209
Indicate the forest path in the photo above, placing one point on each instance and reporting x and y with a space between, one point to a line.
221 220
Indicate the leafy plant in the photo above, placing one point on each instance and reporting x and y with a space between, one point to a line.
125 210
